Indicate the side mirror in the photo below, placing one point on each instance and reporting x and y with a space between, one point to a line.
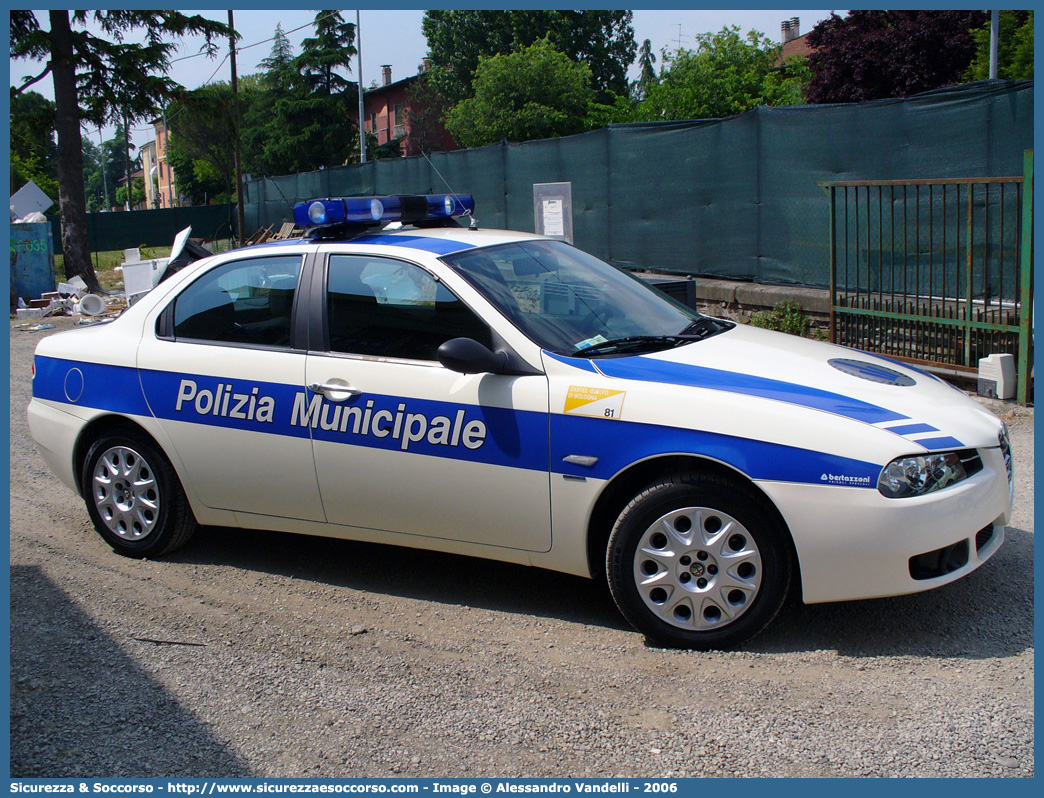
468 356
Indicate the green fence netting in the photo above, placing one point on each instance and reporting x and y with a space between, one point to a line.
735 198
155 228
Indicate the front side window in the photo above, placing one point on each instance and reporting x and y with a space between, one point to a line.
389 308
241 302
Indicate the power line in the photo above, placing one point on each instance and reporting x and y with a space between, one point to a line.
313 23
263 41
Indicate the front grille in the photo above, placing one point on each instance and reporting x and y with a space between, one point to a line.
983 536
939 562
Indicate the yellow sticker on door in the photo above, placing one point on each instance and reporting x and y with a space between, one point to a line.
600 402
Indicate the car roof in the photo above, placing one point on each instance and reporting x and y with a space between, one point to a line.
434 240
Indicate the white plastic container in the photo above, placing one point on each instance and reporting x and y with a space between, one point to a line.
140 278
997 376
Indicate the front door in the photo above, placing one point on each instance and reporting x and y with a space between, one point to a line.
403 444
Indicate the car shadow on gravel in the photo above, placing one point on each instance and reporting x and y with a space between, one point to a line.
80 703
988 613
409 573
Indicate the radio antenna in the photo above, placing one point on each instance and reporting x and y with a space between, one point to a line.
474 221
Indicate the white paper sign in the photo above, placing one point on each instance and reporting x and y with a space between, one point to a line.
554 220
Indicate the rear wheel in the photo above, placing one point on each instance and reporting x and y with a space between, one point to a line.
699 561
134 497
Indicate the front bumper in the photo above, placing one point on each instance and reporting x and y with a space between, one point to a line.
853 543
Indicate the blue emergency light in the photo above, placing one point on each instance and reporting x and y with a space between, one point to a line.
404 208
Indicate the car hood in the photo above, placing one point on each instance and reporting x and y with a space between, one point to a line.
821 377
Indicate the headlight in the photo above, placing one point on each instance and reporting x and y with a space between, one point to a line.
1005 447
918 475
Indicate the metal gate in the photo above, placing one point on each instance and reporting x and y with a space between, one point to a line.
935 272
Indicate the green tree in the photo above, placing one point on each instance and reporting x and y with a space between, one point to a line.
1014 48
94 185
98 79
535 93
603 40
327 53
726 74
647 73
137 194
305 120
33 150
201 139
278 71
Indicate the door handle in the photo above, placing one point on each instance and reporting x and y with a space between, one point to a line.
340 391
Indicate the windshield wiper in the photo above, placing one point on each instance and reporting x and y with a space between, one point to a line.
703 327
634 342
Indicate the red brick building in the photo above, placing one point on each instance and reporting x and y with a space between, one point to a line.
794 43
385 108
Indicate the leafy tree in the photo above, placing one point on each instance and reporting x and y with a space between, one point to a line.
535 93
137 194
726 74
610 110
115 159
871 55
603 40
33 151
92 174
1014 50
201 139
98 79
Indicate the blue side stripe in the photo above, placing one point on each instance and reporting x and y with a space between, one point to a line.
650 370
112 388
582 363
513 438
912 429
438 246
758 459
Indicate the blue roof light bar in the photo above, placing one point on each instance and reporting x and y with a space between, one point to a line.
379 210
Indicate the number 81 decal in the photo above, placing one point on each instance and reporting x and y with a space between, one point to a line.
599 402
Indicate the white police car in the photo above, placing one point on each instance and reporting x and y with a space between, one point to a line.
507 396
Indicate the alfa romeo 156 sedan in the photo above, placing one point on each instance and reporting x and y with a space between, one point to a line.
395 376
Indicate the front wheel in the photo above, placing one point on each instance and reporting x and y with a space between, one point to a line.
134 497
698 561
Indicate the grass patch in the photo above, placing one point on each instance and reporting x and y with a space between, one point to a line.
784 317
105 263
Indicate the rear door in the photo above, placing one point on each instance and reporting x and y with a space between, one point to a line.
221 376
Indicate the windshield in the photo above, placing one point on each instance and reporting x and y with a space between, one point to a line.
572 303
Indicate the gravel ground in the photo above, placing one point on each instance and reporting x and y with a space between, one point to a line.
261 654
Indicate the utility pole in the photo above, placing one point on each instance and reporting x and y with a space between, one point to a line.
101 160
362 109
994 38
240 210
166 158
126 161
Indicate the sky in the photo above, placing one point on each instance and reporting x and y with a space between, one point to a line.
395 38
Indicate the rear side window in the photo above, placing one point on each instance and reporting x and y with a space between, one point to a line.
241 302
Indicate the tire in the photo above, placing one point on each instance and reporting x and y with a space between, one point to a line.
134 497
699 561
